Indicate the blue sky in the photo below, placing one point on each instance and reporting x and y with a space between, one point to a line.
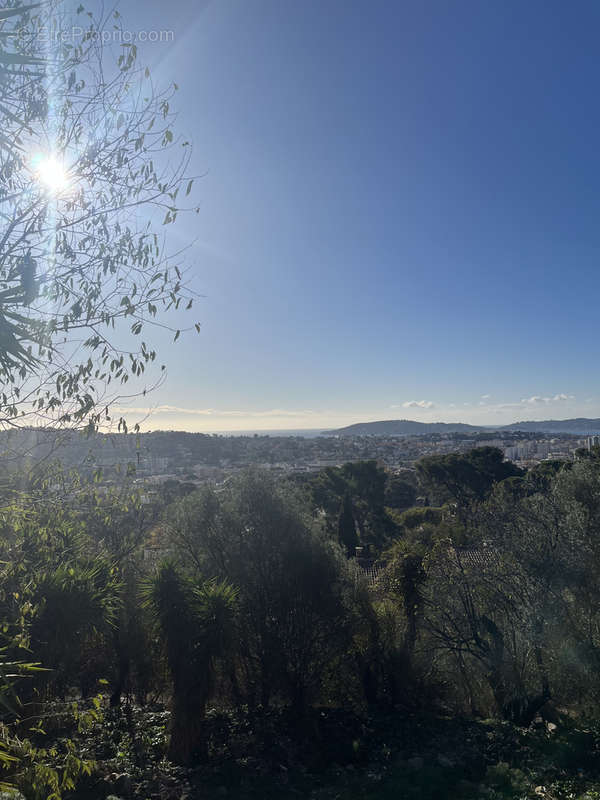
400 212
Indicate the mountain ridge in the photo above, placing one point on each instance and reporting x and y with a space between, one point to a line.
406 427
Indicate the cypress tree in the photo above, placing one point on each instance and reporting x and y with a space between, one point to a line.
347 527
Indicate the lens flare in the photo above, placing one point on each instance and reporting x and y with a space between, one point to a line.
51 173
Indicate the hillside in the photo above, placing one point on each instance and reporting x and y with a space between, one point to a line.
403 427
580 425
406 427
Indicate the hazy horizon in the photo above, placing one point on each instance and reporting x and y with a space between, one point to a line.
149 424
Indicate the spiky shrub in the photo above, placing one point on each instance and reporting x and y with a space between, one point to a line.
196 624
76 609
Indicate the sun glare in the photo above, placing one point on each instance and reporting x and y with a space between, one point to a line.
51 173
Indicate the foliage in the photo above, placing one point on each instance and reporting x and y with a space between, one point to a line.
59 601
347 527
464 477
400 490
259 625
363 482
86 144
197 625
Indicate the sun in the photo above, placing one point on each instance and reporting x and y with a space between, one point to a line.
50 172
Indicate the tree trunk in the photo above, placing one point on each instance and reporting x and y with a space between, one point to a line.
187 743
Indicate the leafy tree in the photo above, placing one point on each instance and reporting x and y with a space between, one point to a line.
88 162
539 478
411 578
399 493
419 528
415 517
365 483
291 581
464 478
346 527
526 605
195 526
54 603
484 616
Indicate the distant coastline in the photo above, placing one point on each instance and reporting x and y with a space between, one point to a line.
405 427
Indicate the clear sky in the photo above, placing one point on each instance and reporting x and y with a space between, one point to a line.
400 212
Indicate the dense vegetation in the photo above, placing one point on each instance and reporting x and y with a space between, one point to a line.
281 635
